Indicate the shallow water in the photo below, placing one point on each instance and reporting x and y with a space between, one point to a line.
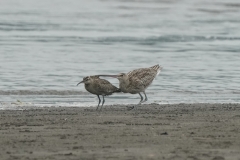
47 47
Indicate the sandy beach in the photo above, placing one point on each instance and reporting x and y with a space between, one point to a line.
180 131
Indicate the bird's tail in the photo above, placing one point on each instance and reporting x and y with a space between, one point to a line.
118 90
157 68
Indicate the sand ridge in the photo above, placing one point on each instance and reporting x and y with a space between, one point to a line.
176 131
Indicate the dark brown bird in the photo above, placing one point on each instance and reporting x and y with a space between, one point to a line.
138 80
98 86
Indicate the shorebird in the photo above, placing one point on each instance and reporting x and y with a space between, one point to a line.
98 86
137 81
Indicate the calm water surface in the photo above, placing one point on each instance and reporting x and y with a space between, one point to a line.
47 47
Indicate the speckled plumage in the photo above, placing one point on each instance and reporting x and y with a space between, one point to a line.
98 86
137 81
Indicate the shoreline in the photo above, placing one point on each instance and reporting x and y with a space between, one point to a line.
152 131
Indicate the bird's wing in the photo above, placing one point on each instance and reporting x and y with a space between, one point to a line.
137 72
142 73
105 86
143 77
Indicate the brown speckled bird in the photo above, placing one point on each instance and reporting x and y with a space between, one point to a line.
98 86
138 80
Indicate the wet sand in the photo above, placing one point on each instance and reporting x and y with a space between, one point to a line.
181 131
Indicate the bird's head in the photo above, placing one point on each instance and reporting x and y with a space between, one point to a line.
121 76
86 80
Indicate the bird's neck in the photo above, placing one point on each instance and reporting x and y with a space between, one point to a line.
88 87
124 85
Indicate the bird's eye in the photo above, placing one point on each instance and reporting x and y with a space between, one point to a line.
86 78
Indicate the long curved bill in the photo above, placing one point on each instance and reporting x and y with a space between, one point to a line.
79 83
104 75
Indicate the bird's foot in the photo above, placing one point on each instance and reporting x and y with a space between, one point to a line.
143 101
140 103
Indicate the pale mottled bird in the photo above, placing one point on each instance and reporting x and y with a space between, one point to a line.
138 80
98 86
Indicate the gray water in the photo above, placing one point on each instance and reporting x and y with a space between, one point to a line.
47 47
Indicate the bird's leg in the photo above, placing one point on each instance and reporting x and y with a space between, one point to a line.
98 101
102 102
135 107
141 98
145 97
